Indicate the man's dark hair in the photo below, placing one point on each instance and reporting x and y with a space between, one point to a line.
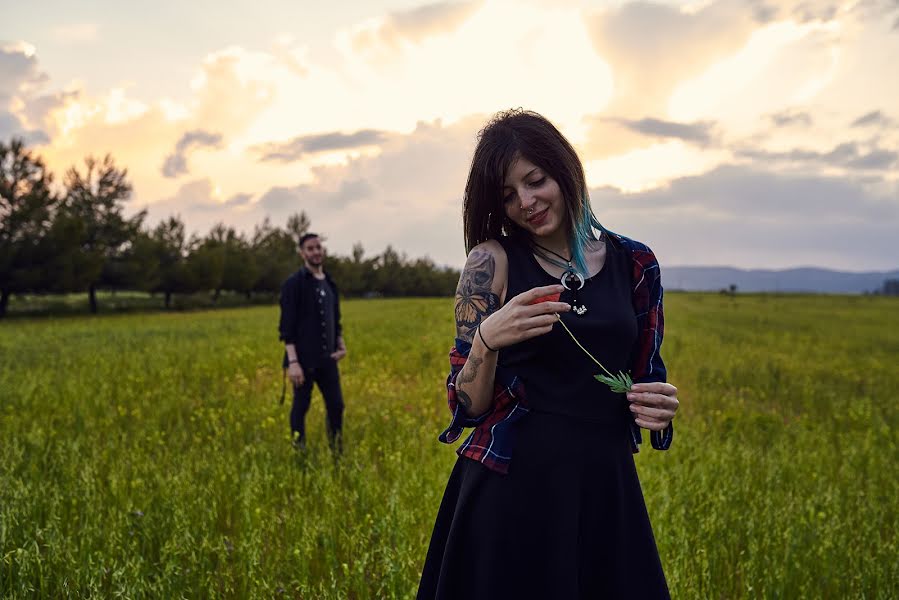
307 236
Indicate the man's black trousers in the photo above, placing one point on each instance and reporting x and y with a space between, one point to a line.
327 377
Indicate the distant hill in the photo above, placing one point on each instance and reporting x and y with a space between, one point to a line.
788 280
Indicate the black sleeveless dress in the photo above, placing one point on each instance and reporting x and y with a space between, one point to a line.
568 520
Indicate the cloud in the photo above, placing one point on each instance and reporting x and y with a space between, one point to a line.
238 200
407 195
790 118
652 48
388 35
750 217
200 205
20 82
804 11
19 70
12 127
229 91
874 118
284 201
176 163
233 86
298 147
698 133
847 155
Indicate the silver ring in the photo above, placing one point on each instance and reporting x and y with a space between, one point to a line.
568 273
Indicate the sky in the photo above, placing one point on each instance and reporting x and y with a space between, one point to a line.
747 133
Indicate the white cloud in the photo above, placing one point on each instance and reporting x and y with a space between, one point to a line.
382 38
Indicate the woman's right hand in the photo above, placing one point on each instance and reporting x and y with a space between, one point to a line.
295 374
520 320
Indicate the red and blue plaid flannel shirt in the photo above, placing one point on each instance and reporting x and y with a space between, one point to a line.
491 441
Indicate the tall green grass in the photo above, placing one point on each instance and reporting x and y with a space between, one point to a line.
147 456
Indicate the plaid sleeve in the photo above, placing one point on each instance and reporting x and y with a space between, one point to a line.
491 441
646 362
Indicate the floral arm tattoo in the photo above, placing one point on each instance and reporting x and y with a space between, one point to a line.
475 299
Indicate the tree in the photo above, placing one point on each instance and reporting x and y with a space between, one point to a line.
239 272
275 251
205 266
170 248
96 198
355 274
387 277
138 266
298 225
26 209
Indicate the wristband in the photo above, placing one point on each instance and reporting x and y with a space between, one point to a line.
481 335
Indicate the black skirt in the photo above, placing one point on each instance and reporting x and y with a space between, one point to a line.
567 521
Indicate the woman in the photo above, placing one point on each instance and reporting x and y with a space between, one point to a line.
544 500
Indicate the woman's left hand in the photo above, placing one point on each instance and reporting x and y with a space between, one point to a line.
653 404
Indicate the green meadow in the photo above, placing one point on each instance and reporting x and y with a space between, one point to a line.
148 456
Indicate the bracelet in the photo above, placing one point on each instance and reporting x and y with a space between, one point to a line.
290 362
481 335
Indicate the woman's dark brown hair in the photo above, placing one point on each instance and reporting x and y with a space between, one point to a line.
508 135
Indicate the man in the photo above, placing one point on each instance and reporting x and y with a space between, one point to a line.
313 340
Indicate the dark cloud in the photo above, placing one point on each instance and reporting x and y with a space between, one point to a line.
762 11
11 127
789 118
815 10
176 163
751 217
698 133
873 118
309 144
802 11
879 10
20 79
238 200
18 70
282 201
414 25
196 205
847 155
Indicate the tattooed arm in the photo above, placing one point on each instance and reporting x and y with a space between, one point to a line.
479 294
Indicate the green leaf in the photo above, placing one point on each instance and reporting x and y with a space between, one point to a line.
620 384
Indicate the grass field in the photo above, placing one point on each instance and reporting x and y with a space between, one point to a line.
147 456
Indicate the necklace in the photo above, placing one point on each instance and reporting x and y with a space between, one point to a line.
570 277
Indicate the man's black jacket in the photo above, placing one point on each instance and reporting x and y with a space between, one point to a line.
301 323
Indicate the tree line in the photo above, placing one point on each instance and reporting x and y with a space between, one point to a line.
75 237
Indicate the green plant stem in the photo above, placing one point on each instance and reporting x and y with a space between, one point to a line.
559 317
